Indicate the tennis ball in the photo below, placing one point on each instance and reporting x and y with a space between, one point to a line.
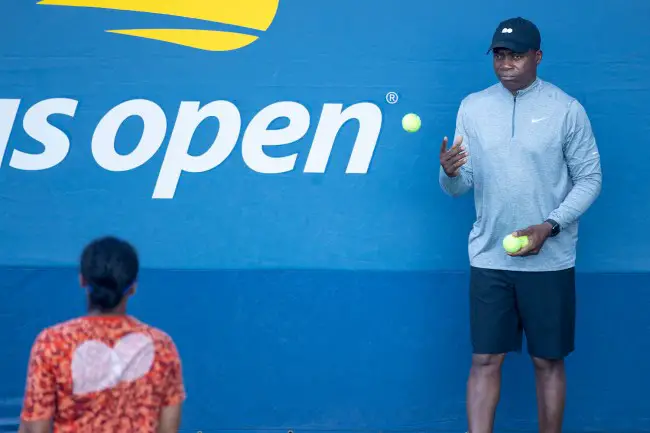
411 122
513 244
524 240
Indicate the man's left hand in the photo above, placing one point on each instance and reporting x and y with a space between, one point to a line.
537 235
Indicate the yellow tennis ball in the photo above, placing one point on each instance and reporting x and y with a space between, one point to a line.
411 122
512 244
523 240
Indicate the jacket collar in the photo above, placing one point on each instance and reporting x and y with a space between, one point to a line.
532 87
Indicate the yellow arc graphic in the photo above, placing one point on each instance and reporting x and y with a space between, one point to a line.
209 40
252 14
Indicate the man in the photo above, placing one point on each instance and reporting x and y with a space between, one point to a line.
527 150
106 371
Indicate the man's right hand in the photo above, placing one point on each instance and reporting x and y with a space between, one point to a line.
451 160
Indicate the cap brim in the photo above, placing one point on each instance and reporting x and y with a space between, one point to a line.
509 45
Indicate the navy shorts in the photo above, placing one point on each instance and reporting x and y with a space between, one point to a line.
506 304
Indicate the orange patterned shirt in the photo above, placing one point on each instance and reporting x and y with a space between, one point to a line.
99 374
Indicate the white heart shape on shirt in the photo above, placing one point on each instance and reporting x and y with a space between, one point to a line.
97 367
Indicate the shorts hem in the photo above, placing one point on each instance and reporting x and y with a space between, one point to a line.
477 351
510 268
552 357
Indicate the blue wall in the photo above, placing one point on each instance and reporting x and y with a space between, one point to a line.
307 300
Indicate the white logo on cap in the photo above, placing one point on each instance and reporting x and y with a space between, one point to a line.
506 30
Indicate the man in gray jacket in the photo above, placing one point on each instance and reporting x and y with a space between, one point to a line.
527 150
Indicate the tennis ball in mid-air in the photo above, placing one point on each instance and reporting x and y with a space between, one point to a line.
513 244
411 122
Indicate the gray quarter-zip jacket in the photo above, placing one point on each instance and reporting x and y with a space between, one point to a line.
532 156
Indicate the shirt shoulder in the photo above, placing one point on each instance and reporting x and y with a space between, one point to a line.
573 112
163 342
57 333
160 336
551 94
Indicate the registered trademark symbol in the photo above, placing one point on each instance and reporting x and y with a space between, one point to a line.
392 98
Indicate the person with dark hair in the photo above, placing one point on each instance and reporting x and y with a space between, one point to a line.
105 371
528 151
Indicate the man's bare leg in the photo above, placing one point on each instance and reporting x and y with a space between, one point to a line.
550 380
483 391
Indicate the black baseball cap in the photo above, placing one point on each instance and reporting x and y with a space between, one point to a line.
516 34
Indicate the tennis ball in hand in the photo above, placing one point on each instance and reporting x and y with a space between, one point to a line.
513 244
411 122
524 241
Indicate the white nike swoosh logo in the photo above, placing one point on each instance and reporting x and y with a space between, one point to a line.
539 120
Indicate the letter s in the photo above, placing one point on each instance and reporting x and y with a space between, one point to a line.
55 142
